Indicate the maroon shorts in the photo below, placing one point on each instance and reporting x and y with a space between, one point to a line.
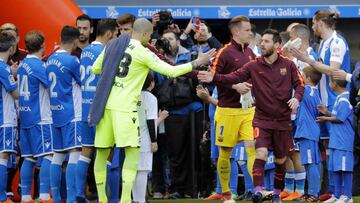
278 141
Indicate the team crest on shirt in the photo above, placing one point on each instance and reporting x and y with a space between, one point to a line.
47 145
220 138
283 71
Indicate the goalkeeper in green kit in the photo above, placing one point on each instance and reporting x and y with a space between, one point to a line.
124 65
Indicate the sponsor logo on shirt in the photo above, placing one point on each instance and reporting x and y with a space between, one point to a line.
57 107
24 108
119 84
87 101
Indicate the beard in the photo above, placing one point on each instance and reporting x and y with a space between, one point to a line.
267 53
317 33
83 38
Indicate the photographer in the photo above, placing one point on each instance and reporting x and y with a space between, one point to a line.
163 21
178 124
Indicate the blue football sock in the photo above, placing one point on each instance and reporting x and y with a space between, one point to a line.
247 177
289 181
347 183
234 170
269 179
70 176
332 182
3 179
313 178
81 173
63 194
26 176
55 176
114 183
44 177
337 178
300 181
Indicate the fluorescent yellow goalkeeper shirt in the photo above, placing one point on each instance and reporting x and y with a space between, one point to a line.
133 70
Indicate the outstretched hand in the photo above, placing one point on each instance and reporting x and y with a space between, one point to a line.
242 88
205 76
204 58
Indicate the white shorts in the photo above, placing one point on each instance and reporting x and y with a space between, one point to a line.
145 161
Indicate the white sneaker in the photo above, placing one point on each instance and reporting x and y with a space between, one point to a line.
344 199
331 200
158 195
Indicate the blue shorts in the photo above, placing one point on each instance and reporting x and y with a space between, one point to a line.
8 139
12 162
36 141
270 162
87 134
341 160
67 137
309 151
325 130
118 158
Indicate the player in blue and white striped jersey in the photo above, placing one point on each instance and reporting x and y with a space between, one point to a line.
63 72
333 55
106 30
35 117
8 117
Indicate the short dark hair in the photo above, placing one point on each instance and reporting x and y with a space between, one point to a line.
105 25
7 40
237 20
69 34
274 33
85 17
148 80
125 19
327 17
313 74
340 83
34 40
177 37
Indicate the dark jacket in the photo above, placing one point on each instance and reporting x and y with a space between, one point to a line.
230 58
273 85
